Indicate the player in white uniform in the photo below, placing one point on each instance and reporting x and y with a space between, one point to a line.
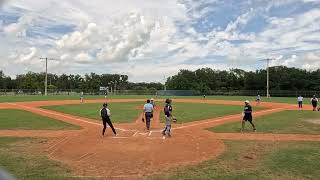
300 101
81 97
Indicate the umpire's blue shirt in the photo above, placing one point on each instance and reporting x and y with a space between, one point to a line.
148 107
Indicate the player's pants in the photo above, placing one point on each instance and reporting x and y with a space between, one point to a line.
167 128
105 121
148 119
300 104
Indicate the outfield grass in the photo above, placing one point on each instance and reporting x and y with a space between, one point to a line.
255 160
300 122
120 112
19 119
24 158
19 98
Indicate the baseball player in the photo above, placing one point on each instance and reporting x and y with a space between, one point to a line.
148 110
168 116
300 101
153 103
258 100
247 115
105 115
105 95
81 97
314 102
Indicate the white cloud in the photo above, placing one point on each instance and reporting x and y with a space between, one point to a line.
83 58
26 56
144 34
20 27
79 40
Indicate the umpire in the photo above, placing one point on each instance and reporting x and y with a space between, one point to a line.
105 115
148 110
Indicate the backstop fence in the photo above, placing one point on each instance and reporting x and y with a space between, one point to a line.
273 93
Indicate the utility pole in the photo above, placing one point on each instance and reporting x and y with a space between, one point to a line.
46 78
268 62
164 86
115 87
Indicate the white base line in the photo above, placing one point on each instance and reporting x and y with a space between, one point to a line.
135 133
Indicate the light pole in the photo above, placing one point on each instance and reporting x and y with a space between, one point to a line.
164 84
268 62
46 78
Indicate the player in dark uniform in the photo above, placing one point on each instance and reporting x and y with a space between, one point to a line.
314 102
247 115
105 115
168 117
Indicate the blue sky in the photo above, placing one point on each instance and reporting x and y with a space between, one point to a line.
149 39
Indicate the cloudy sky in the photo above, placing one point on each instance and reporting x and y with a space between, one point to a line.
150 39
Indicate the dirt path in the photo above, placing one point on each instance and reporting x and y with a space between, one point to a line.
136 152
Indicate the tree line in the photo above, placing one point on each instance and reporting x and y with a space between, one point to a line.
88 82
281 78
202 80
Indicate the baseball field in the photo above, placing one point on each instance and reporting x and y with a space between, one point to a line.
58 137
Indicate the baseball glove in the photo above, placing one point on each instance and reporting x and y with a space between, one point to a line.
174 119
142 119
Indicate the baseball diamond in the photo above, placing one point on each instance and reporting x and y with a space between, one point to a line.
135 151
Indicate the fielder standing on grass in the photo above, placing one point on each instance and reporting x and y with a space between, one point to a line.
105 115
247 116
148 110
81 97
168 116
300 101
258 100
314 102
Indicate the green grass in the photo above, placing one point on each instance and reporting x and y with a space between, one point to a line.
19 119
120 112
24 158
255 160
300 122
187 112
19 98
